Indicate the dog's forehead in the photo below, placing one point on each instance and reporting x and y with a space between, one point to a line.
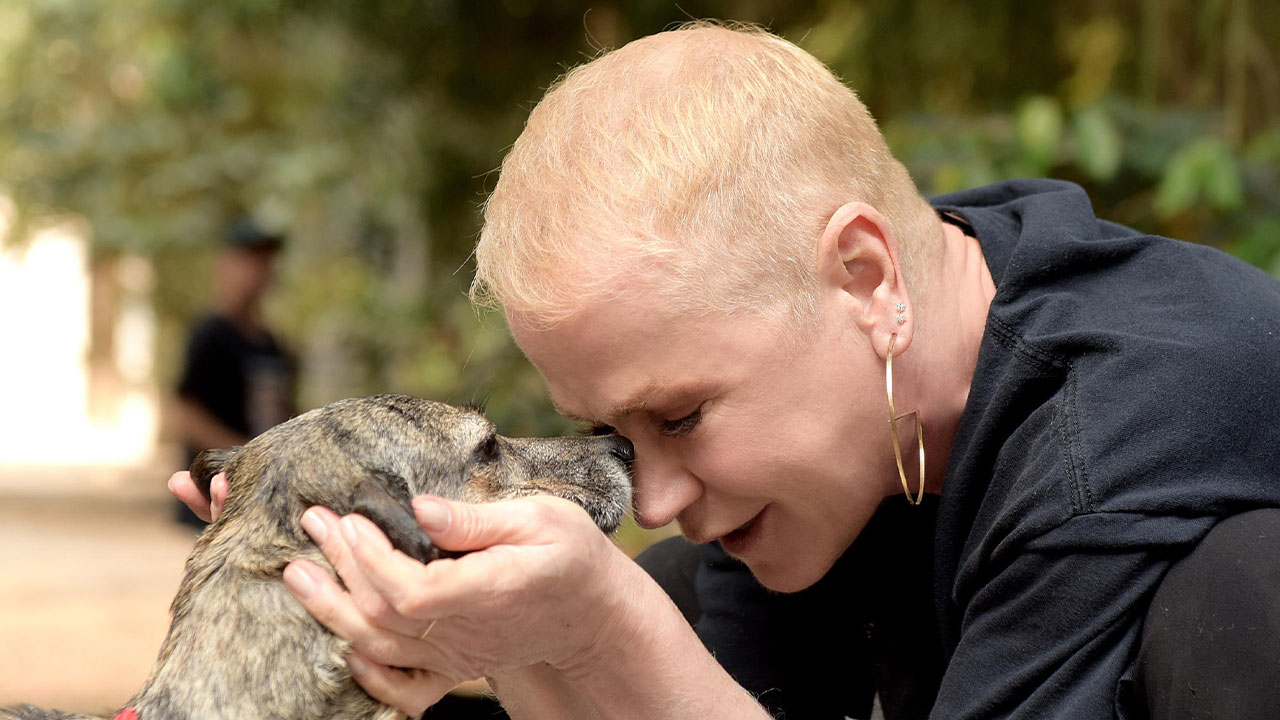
467 424
398 419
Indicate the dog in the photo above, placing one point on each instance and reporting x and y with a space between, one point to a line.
239 646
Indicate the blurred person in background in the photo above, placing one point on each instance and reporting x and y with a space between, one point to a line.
237 379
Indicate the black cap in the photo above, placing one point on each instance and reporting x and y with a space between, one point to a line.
245 234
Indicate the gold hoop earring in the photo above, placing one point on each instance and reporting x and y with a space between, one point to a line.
893 428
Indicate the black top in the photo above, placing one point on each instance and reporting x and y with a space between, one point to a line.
246 382
1126 398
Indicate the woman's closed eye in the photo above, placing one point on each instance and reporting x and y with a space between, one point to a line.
674 428
680 427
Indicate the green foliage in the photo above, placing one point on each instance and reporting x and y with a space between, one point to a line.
371 132
1038 128
1097 143
1202 173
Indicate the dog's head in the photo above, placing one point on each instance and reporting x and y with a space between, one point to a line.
373 455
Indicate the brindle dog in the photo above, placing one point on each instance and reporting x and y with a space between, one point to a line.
239 645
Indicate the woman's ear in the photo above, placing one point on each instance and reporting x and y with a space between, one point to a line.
859 268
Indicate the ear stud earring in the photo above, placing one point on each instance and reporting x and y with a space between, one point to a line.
902 313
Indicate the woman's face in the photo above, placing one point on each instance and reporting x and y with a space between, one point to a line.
771 440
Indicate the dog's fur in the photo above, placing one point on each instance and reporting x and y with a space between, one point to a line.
239 645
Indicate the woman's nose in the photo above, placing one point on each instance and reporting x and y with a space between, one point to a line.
663 488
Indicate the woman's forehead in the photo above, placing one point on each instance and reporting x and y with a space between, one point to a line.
618 358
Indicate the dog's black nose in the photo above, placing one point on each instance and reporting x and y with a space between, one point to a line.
622 449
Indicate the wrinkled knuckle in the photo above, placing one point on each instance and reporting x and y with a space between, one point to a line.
406 604
389 617
372 607
381 649
538 512
336 551
383 617
323 611
467 530
559 507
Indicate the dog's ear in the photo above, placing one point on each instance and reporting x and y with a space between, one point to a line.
209 463
384 499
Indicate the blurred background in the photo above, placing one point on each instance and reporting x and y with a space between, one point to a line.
134 132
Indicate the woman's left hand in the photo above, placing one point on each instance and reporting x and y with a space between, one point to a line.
543 586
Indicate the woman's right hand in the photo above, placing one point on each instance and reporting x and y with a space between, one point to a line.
184 488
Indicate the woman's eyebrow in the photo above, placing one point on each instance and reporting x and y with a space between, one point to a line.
614 412
640 402
637 403
653 396
662 397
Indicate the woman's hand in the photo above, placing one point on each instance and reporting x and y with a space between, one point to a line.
184 488
547 607
543 586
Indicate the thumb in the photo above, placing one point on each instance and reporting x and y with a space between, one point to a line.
217 494
462 527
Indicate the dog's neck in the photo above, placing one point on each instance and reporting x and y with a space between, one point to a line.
241 646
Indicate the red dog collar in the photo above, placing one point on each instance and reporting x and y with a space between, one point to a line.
127 714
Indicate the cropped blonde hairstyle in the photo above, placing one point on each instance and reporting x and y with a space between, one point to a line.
706 160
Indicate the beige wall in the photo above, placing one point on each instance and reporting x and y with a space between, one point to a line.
64 398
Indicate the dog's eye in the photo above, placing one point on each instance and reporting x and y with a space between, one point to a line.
488 449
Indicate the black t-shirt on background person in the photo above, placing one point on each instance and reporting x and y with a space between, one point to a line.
245 381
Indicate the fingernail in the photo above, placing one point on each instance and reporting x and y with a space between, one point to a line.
349 531
299 582
314 525
433 515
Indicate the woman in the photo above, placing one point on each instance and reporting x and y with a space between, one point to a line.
703 244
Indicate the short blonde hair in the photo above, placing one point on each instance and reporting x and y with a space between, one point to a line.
706 159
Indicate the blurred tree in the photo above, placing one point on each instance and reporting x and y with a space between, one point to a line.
371 132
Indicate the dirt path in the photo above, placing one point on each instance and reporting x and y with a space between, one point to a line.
85 586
